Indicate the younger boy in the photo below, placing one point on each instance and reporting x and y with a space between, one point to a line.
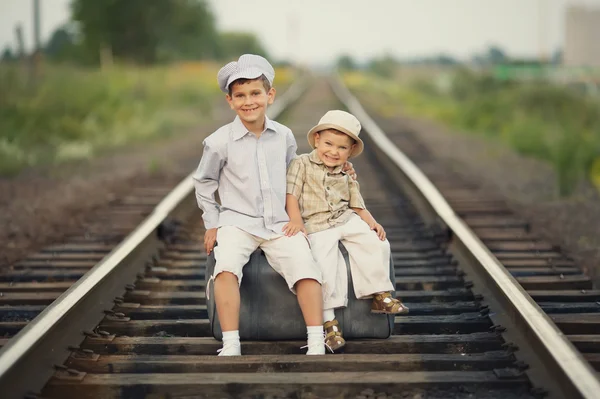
246 162
325 203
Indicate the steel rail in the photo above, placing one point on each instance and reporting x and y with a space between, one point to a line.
573 374
27 360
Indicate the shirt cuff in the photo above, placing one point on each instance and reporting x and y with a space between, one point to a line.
357 203
293 189
210 221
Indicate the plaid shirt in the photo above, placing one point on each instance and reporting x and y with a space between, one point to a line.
325 196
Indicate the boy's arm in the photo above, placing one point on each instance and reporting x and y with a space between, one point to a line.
365 215
291 147
206 182
357 204
295 224
295 181
356 200
370 220
348 168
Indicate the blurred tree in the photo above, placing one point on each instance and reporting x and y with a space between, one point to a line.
444 59
188 32
7 54
385 66
233 44
282 63
496 55
477 59
346 63
557 57
146 31
63 46
440 59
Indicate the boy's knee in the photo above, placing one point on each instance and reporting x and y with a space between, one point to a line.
226 277
385 245
307 282
376 243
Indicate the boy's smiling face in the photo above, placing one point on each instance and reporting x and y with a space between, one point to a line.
333 147
249 100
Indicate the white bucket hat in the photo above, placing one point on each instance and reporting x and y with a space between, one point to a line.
248 66
342 121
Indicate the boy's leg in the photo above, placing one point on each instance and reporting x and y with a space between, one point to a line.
328 314
369 258
231 254
325 250
370 267
227 299
310 300
292 259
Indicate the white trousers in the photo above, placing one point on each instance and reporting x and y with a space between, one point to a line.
369 262
289 256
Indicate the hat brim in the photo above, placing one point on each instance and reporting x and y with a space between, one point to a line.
250 73
358 149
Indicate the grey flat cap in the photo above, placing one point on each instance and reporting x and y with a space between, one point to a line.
248 66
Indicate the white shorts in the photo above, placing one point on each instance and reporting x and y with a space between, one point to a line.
369 262
289 256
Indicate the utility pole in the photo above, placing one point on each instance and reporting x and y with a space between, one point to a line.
542 21
22 60
36 56
36 25
20 42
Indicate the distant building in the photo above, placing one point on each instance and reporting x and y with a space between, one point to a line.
582 36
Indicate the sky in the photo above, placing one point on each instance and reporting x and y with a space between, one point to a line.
318 31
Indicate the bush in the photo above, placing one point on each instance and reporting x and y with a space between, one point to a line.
74 113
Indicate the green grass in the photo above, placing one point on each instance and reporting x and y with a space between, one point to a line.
72 113
536 119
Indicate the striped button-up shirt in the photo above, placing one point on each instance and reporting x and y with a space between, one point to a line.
249 173
325 196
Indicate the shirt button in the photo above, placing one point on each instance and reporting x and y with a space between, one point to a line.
327 188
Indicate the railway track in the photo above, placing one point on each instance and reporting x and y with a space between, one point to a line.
136 324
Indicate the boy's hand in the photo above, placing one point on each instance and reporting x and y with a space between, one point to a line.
348 168
210 237
293 227
378 229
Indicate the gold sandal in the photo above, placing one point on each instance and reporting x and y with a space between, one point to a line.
384 303
333 336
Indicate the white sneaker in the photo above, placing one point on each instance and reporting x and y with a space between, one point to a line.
230 349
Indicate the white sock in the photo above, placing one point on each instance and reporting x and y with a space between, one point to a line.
231 344
314 331
316 343
231 337
328 315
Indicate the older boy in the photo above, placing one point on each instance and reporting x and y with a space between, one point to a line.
246 162
325 203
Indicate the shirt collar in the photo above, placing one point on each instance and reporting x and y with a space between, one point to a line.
314 158
239 130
